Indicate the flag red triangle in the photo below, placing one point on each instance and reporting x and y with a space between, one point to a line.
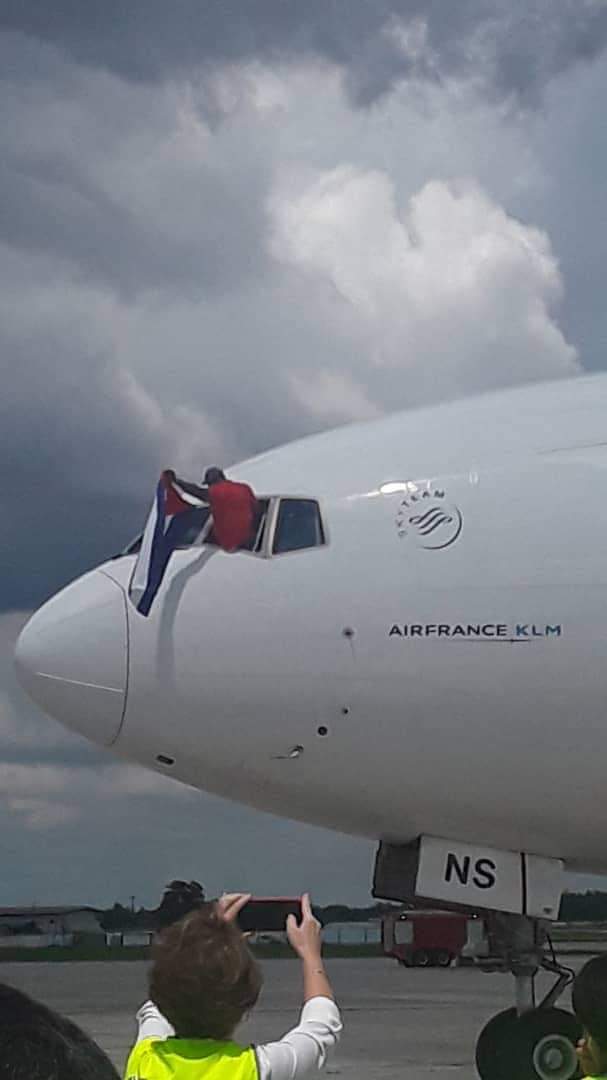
174 503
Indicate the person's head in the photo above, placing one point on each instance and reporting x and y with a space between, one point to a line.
39 1044
213 476
589 999
203 978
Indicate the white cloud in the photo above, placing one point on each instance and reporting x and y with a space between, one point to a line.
41 814
451 293
47 796
333 397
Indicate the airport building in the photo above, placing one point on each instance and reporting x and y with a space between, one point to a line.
129 938
36 927
353 933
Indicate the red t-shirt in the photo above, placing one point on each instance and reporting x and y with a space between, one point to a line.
233 508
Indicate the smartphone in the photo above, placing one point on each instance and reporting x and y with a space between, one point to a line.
268 913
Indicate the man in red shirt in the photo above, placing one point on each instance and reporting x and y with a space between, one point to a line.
233 507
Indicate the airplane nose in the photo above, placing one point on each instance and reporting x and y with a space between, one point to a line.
72 657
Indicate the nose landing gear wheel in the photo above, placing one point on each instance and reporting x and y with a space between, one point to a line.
493 1048
550 1037
539 1045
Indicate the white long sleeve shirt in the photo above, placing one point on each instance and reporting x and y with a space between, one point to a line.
301 1052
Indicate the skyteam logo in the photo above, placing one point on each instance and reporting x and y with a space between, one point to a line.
427 520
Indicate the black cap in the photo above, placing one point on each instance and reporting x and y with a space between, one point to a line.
213 476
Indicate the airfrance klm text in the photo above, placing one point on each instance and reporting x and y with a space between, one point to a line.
506 632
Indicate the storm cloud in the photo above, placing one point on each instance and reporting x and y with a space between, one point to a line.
517 47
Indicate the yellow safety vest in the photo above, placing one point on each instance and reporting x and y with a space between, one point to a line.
190 1059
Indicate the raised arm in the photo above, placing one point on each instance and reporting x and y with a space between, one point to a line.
194 489
198 491
305 939
304 1049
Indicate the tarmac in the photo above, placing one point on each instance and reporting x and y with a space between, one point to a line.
399 1023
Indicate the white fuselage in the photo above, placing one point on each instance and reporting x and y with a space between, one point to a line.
450 637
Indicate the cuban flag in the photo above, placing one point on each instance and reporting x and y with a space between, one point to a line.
172 514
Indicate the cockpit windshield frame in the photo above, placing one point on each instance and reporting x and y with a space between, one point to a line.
321 521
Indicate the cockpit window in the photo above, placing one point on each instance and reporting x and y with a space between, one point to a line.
298 526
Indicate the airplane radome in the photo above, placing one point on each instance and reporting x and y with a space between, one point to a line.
413 650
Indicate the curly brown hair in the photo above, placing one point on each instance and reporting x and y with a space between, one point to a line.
203 976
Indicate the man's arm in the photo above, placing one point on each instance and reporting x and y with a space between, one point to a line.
193 489
196 490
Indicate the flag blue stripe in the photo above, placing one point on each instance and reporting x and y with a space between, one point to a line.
169 533
159 556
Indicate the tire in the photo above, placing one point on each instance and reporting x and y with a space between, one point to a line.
493 1047
540 1045
421 958
545 1043
443 958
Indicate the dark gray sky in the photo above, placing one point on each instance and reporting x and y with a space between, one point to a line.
229 225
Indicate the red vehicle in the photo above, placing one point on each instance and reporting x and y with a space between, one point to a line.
433 938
